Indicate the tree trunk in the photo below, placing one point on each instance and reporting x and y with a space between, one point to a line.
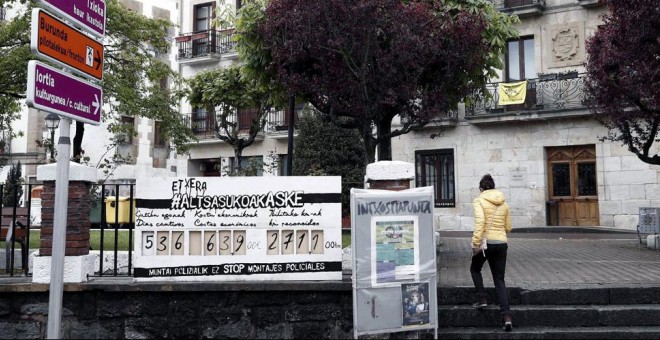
238 151
77 142
384 143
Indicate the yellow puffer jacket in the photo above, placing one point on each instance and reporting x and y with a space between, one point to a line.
484 207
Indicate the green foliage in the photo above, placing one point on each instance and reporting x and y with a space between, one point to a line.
223 91
499 28
623 76
133 70
254 53
14 56
324 149
364 62
12 191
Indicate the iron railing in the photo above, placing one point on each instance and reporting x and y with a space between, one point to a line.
112 216
519 3
17 212
205 43
203 125
551 92
27 216
507 5
278 121
123 197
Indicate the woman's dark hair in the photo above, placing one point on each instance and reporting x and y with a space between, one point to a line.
487 182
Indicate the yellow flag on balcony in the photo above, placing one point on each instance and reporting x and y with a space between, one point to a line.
512 93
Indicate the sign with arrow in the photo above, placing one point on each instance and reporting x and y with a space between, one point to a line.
65 45
51 90
88 14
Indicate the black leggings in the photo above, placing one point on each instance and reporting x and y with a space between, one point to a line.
496 256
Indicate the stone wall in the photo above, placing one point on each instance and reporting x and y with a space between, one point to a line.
164 310
515 154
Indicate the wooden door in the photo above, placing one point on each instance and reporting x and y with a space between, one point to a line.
572 184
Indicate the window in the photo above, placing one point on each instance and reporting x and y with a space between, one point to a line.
164 84
251 166
436 168
283 165
203 17
202 121
520 61
127 137
203 42
246 117
159 138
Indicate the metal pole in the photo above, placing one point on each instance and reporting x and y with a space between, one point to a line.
59 231
289 153
52 144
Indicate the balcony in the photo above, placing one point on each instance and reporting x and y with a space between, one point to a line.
521 8
205 46
446 119
550 96
277 125
590 3
202 126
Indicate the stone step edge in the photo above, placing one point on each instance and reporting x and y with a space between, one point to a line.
610 331
554 307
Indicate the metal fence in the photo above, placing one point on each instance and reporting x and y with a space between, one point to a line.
550 92
112 226
17 219
205 43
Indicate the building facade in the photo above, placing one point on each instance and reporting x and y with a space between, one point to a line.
545 154
202 45
146 154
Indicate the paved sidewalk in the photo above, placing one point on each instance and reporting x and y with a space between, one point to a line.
557 259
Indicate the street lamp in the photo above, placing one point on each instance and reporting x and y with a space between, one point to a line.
52 123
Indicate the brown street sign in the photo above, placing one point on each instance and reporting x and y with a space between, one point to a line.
65 45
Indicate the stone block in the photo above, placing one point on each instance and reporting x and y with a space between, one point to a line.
653 242
76 268
626 222
652 191
612 164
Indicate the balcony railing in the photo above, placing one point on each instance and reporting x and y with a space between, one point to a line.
203 125
278 121
548 93
520 3
209 43
520 7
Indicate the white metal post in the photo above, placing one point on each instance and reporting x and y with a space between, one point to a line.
59 230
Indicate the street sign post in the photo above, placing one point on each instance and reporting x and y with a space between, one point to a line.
50 90
65 45
88 14
54 91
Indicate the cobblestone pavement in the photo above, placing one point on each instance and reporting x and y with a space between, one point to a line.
554 260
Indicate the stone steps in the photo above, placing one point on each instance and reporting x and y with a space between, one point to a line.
651 332
553 313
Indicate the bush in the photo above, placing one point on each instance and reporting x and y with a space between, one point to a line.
324 149
12 191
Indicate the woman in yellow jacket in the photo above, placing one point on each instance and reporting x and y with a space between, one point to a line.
491 217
